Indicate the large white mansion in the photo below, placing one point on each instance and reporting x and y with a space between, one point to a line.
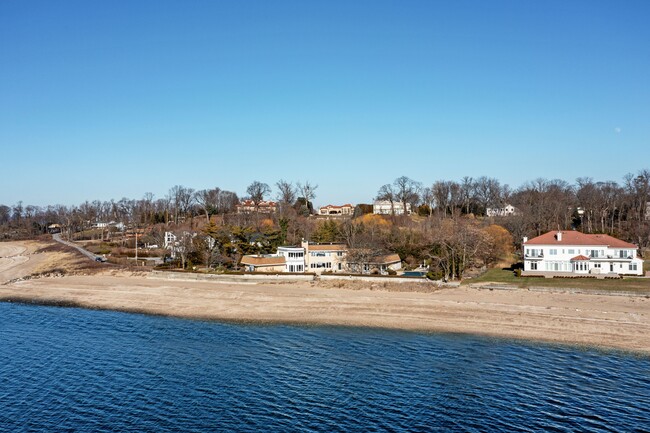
574 253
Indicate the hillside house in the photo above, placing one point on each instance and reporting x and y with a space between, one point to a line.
386 207
330 209
248 206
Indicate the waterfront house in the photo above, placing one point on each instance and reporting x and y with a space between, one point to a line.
572 253
376 264
263 263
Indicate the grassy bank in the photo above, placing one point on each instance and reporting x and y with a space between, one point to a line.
506 276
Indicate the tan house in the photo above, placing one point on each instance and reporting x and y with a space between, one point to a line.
379 264
248 206
330 209
325 257
263 263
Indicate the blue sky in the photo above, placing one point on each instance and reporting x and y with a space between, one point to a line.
102 100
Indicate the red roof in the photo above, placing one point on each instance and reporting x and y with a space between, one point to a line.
580 258
572 237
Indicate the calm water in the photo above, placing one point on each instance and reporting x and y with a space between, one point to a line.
76 370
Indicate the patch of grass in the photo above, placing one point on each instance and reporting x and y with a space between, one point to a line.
507 276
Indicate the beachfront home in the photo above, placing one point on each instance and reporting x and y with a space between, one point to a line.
387 207
572 253
379 264
307 257
263 263
330 209
504 211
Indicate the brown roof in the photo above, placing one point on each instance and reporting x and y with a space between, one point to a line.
385 259
572 237
580 258
335 206
263 260
331 247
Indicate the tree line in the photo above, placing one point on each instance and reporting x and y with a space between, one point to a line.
449 232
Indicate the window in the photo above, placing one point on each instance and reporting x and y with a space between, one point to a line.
572 251
597 265
533 266
553 251
632 266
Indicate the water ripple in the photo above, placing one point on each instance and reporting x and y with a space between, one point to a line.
97 371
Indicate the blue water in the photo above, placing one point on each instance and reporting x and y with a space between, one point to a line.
68 369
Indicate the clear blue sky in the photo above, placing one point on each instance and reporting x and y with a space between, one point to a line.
112 99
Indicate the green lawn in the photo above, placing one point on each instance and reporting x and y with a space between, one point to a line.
507 277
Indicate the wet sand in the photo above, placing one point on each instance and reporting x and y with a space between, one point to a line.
606 321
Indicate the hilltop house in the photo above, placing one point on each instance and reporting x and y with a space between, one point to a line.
386 207
573 253
248 206
330 209
506 210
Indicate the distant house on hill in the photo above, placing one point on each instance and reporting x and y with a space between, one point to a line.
330 209
248 206
386 207
506 210
573 253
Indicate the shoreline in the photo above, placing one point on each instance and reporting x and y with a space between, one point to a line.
584 320
308 324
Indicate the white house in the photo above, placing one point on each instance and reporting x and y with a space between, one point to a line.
386 207
506 210
294 258
574 253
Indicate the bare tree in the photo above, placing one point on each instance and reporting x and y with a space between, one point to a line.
407 191
286 194
307 191
181 199
208 201
387 193
257 191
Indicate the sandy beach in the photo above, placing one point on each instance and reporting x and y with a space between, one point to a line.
607 321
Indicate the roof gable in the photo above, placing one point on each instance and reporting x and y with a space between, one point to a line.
572 237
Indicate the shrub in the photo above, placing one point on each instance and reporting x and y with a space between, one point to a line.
435 275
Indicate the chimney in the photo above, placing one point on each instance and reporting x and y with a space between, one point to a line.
525 239
558 236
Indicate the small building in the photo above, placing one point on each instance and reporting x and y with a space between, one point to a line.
264 263
379 264
571 253
387 207
330 209
504 211
248 206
